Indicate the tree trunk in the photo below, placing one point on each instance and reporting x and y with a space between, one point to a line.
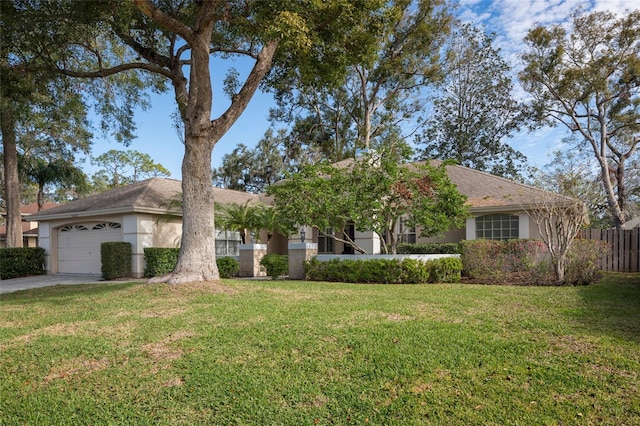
11 180
560 266
197 260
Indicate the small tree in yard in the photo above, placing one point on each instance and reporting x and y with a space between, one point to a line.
558 220
373 192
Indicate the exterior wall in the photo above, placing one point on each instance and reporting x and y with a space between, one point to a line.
48 236
452 236
526 225
140 230
369 241
27 241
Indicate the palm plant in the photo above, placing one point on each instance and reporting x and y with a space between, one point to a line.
240 218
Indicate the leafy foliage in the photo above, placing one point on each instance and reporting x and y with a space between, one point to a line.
428 248
475 111
385 271
527 262
276 265
21 261
227 266
115 258
380 91
373 192
119 168
587 80
160 260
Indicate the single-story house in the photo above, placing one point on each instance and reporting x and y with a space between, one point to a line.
499 210
72 233
29 227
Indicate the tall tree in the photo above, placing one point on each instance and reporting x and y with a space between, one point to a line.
588 79
569 173
475 112
381 90
252 170
120 168
61 172
176 39
43 115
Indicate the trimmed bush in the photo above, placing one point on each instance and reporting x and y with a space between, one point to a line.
115 259
385 271
275 265
227 266
160 260
445 270
21 262
429 248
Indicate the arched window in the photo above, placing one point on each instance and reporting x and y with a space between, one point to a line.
497 227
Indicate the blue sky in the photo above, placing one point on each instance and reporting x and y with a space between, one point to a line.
509 19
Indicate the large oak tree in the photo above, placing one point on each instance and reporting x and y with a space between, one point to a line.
176 41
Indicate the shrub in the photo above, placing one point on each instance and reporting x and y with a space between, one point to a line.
428 248
21 262
276 265
499 262
445 270
584 261
115 260
385 271
160 260
227 266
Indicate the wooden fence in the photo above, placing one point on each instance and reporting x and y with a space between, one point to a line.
624 248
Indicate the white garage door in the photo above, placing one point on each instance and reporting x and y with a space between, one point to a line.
79 246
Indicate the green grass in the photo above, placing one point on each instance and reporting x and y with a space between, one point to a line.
285 352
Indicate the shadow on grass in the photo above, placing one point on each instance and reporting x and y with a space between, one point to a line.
612 306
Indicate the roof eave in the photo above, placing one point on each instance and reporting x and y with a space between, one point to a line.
103 212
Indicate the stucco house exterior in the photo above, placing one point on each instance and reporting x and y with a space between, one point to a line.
499 209
71 234
29 227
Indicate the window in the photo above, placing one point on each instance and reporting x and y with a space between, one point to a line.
325 242
406 234
497 227
227 242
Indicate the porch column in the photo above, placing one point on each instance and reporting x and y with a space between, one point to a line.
250 257
298 253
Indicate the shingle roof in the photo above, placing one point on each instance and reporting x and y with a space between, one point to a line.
484 190
148 195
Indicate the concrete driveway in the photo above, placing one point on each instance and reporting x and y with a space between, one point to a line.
15 284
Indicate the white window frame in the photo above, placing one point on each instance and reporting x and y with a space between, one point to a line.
497 226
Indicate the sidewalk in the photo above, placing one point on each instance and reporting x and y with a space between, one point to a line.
15 284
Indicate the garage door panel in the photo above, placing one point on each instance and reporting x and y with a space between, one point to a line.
79 246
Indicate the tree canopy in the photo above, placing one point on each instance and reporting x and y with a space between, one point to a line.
587 78
373 192
173 42
475 112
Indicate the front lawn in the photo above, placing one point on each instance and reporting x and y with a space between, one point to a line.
291 352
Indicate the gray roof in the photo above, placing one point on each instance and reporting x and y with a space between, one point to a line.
149 196
484 190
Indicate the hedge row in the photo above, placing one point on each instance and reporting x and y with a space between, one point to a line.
162 260
527 262
385 271
21 262
429 248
